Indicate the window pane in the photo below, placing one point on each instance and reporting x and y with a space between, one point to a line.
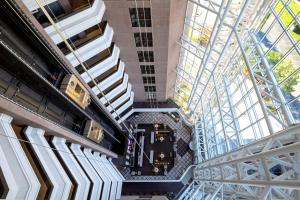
147 69
145 56
140 17
143 39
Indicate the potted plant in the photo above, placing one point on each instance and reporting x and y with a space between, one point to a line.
295 27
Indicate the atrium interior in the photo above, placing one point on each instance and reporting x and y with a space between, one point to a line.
150 99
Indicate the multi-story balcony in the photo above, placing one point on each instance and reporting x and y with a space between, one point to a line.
114 86
112 95
34 171
121 99
94 55
32 5
124 106
125 90
92 47
106 74
79 40
100 63
79 19
110 80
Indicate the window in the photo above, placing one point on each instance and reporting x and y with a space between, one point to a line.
150 88
147 69
145 56
143 39
148 79
140 17
151 96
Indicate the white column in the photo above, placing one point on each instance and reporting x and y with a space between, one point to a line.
83 183
114 183
117 176
20 177
93 175
106 182
58 177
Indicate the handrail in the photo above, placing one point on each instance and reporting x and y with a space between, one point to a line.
85 40
70 14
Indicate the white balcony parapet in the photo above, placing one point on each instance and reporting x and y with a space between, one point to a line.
83 183
126 115
121 99
109 81
125 106
114 183
106 83
58 177
32 5
18 173
78 22
96 164
103 66
93 175
118 172
109 96
92 48
8 176
113 172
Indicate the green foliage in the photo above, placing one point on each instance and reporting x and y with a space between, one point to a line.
282 70
287 18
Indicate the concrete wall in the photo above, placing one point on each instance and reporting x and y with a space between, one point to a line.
177 16
167 24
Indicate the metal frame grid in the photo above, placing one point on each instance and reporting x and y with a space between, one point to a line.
265 169
242 99
207 47
230 83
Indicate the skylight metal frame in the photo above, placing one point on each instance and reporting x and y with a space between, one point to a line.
237 97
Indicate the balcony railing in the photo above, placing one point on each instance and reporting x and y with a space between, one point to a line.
60 12
96 59
105 74
89 35
113 86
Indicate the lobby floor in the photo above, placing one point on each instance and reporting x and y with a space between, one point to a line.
184 157
158 147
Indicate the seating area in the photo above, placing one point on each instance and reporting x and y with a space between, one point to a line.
157 142
170 137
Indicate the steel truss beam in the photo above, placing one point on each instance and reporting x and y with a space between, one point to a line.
267 168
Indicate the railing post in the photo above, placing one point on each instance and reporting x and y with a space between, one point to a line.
285 109
260 100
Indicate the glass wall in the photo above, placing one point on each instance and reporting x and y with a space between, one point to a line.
238 75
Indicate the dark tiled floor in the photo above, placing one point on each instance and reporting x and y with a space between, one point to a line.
151 188
182 132
166 147
182 147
